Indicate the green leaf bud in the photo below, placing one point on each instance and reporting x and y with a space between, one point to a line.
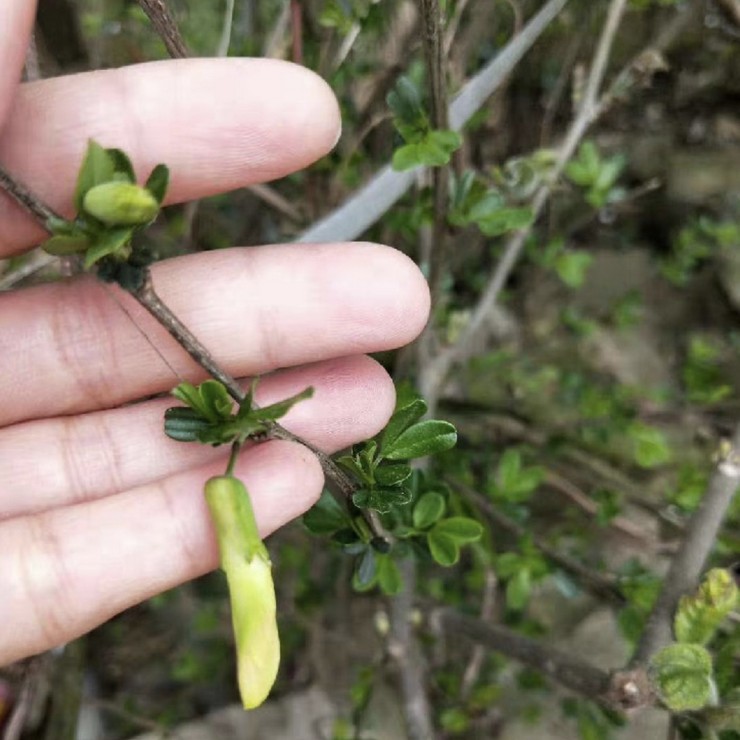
120 204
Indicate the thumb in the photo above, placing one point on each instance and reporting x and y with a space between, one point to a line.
16 22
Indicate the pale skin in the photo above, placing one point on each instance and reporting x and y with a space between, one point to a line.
98 510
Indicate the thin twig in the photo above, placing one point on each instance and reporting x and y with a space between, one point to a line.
431 22
27 200
32 68
34 670
478 656
404 649
689 561
273 198
166 26
32 264
571 672
224 42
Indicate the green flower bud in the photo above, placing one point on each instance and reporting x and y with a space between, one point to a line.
120 204
248 570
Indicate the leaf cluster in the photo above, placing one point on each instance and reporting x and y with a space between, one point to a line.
110 207
684 671
210 416
424 146
410 507
475 203
597 175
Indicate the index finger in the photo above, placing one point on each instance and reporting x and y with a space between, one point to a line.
218 124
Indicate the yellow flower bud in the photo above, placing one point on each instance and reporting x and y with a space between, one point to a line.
248 570
120 204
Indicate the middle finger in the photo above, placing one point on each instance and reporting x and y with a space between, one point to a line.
69 348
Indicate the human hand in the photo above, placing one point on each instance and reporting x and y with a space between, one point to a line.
98 509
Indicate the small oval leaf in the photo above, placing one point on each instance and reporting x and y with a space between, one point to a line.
429 508
460 528
444 549
422 439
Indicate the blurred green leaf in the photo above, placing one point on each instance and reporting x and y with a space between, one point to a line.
444 549
683 676
326 516
429 508
700 614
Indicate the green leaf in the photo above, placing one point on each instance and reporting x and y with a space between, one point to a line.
97 167
404 100
210 399
392 475
389 577
401 420
326 516
429 508
381 500
112 242
444 549
407 157
650 445
215 400
448 140
278 410
683 676
519 589
62 245
184 424
158 182
700 614
351 465
189 395
460 528
572 266
505 220
425 438
122 168
366 570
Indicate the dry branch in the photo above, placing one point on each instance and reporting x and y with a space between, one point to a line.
166 26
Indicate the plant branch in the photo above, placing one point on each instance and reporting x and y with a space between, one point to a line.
689 561
165 25
475 663
27 200
600 585
404 649
573 673
431 23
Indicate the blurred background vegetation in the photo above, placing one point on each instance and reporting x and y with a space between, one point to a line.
588 414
